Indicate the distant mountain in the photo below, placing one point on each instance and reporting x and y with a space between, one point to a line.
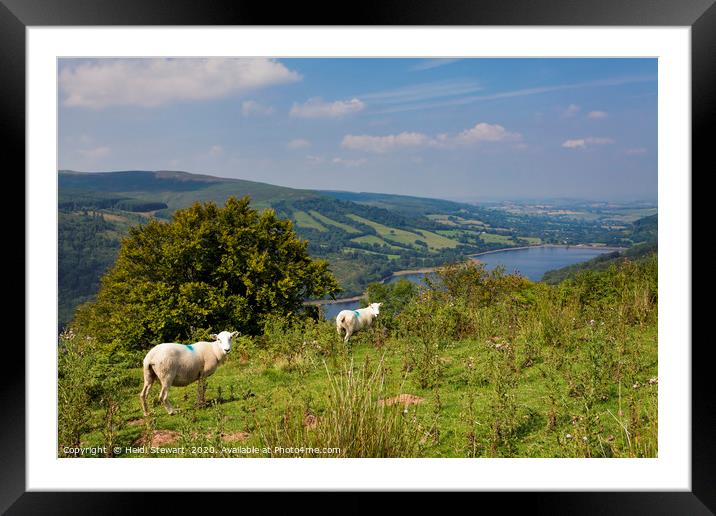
175 189
403 203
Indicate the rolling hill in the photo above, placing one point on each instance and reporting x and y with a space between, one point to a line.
364 236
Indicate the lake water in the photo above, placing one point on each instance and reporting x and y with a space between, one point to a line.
532 263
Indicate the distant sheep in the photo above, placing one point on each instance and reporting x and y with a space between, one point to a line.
180 365
353 320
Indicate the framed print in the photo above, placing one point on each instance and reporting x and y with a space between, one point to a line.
418 253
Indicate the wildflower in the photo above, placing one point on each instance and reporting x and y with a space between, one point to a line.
584 438
591 322
568 436
653 381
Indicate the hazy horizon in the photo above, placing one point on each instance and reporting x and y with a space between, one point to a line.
454 199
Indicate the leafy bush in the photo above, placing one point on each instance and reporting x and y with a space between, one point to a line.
209 269
394 298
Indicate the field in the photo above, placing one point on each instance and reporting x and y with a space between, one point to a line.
495 239
304 220
339 225
486 365
434 241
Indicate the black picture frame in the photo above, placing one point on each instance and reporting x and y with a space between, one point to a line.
699 15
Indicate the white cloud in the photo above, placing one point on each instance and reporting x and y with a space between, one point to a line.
571 111
422 92
481 132
298 143
253 108
463 100
383 144
636 151
95 153
316 108
583 143
595 115
216 151
155 82
575 144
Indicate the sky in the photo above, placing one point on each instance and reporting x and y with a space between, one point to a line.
461 129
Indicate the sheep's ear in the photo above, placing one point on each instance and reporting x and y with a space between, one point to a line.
234 333
213 336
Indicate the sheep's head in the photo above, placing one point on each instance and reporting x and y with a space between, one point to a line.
224 339
375 308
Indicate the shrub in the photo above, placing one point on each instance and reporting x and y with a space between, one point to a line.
394 298
209 268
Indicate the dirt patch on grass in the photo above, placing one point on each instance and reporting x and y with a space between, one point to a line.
160 438
235 436
405 399
135 422
310 421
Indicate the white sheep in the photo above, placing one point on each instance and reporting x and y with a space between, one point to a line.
180 365
353 320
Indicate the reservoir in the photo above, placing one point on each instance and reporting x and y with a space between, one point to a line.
530 262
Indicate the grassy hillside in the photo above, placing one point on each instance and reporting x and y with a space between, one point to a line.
486 366
365 237
175 189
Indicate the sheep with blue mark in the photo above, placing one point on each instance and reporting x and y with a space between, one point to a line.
180 365
351 321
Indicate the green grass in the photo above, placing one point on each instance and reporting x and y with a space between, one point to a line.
459 221
436 241
491 238
331 222
304 220
433 240
262 392
504 367
372 239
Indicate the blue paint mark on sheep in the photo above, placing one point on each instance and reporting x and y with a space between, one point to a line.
191 348
357 314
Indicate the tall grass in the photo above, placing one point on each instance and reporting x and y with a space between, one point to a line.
355 423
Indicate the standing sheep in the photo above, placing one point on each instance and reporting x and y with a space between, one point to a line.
180 365
353 320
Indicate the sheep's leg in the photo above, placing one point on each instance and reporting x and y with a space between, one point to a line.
149 378
348 335
143 397
200 392
164 395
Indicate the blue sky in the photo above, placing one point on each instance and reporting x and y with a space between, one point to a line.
466 129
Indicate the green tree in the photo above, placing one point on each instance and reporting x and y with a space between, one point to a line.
393 296
207 270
